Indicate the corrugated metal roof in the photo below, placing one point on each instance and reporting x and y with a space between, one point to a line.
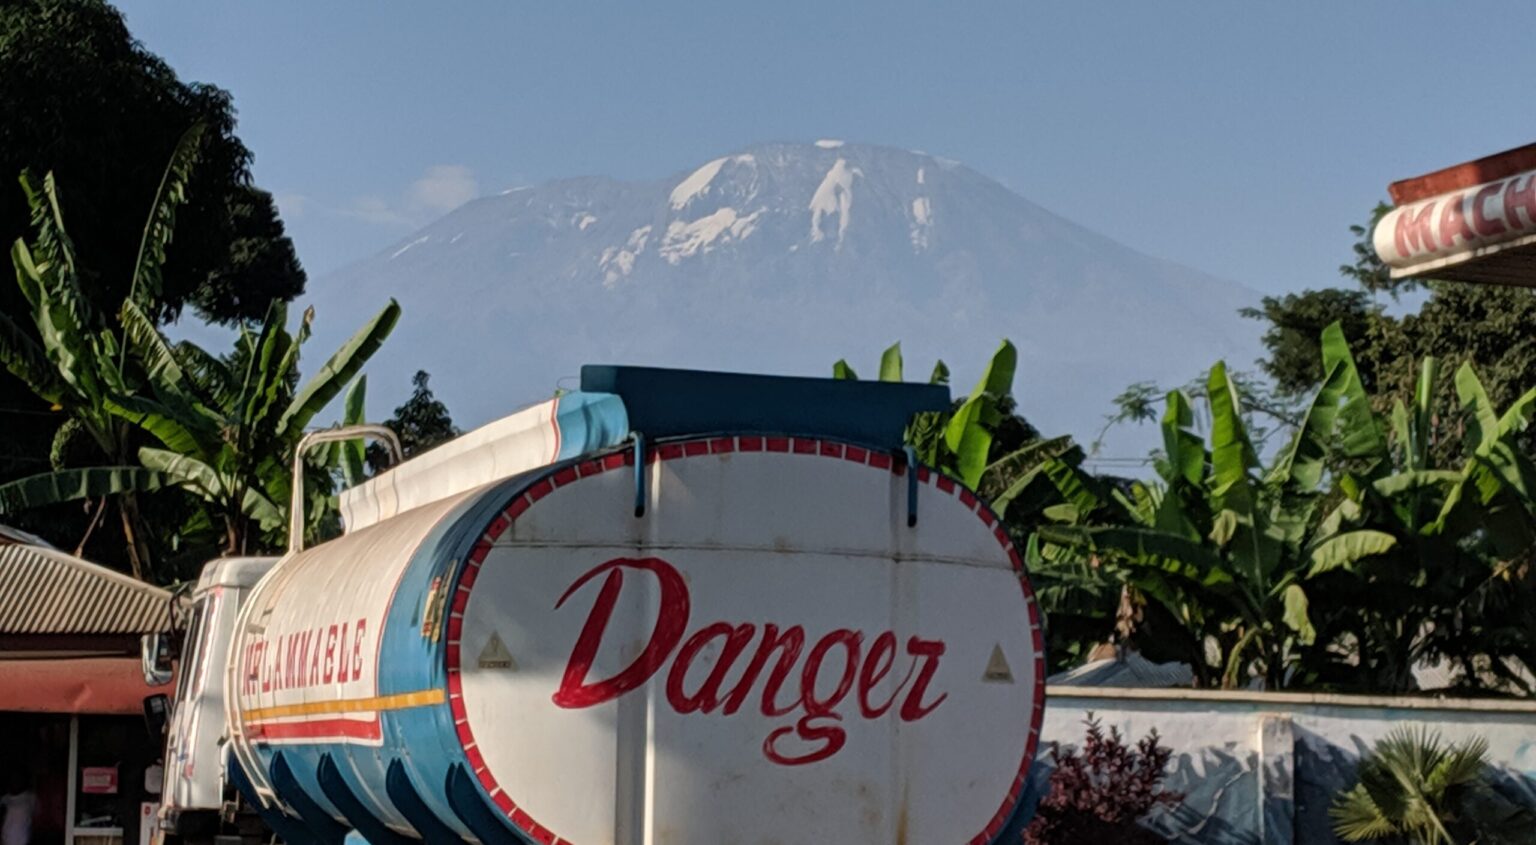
43 591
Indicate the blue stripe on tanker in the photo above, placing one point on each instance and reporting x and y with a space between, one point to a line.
421 740
410 663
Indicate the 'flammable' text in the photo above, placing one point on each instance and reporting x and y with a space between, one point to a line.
330 654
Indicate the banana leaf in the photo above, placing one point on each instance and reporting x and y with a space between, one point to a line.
353 452
26 361
890 364
71 485
1185 451
1300 466
969 433
337 373
1295 616
1189 560
1360 434
161 225
1345 550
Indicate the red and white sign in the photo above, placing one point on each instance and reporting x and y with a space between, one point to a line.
98 780
1420 237
769 654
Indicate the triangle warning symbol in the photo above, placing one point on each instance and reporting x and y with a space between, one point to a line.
495 654
997 671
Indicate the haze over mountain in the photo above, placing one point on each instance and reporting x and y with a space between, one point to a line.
783 258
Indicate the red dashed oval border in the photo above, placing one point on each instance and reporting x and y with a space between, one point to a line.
715 446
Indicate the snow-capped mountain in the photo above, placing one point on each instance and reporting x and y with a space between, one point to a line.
783 258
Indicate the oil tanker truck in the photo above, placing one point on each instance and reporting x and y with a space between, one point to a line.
670 608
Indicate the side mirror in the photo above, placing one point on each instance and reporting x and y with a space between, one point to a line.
155 659
157 712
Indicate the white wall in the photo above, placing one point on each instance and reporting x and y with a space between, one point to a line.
1263 768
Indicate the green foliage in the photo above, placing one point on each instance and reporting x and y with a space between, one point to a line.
86 102
1266 411
421 422
1357 555
960 442
229 425
968 434
1296 321
1485 326
1220 543
1416 787
79 360
68 485
226 427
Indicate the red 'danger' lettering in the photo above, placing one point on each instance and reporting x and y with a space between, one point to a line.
837 666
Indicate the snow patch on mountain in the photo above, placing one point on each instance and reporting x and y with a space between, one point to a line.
696 183
685 239
922 219
618 263
829 143
403 250
833 196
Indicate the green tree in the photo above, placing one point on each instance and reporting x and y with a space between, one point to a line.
86 101
82 99
1456 323
78 362
228 427
1223 544
421 422
1297 320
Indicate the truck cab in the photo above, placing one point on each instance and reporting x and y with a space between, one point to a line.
196 788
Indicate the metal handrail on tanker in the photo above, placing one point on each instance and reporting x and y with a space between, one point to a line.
380 433
296 519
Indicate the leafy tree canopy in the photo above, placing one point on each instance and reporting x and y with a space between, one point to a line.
1456 323
85 101
422 422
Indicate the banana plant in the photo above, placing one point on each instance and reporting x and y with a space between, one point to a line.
228 426
958 442
76 357
1226 547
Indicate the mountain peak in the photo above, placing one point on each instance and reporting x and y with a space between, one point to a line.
783 257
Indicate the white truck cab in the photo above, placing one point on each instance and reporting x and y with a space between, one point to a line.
199 803
195 785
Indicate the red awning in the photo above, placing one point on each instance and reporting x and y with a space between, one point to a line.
88 685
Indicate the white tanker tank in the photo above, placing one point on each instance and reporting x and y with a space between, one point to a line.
679 608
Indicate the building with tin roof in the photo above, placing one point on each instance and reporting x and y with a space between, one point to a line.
72 690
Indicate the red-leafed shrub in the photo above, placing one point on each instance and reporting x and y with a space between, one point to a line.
1099 792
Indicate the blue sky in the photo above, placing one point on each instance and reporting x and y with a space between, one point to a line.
1242 139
